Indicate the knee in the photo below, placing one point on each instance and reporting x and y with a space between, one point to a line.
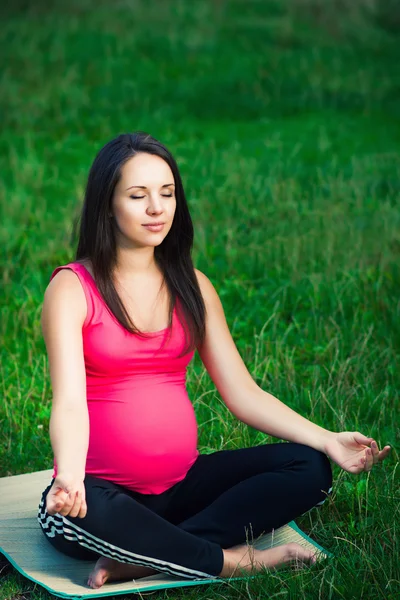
320 470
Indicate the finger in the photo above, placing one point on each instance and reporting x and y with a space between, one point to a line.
55 502
362 439
375 452
384 453
363 462
83 510
69 502
369 460
55 507
76 506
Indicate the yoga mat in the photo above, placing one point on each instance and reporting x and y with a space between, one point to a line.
22 542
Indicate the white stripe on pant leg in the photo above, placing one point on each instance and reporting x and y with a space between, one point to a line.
71 532
116 554
105 549
113 554
51 525
90 541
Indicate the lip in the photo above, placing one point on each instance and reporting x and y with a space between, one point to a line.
153 224
155 227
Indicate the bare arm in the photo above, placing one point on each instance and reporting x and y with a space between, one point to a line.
64 311
264 412
242 396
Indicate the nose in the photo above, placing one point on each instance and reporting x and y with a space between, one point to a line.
155 206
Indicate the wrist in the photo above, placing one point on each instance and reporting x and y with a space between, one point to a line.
326 438
70 475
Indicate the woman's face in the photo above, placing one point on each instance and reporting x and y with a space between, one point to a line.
145 194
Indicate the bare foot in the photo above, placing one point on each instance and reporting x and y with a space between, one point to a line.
286 553
108 569
252 560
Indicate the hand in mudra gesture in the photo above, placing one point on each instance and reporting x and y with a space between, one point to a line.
354 452
67 496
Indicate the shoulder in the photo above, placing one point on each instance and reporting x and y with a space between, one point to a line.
66 280
215 315
207 289
64 295
200 276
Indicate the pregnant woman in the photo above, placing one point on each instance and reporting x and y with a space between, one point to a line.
121 324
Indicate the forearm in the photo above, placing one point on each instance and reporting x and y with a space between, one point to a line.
69 436
264 412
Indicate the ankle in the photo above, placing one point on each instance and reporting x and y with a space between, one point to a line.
241 558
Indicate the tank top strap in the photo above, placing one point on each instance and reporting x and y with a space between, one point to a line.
91 292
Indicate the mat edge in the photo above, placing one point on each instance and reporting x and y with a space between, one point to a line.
294 526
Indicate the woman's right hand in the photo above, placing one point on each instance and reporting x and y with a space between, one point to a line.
67 496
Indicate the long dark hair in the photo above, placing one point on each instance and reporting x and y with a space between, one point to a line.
98 244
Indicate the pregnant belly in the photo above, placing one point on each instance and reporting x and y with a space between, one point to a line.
144 444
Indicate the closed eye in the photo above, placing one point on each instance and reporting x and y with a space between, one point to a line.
165 196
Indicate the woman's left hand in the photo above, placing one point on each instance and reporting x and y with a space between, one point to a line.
351 451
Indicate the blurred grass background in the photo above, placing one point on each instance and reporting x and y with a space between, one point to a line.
284 120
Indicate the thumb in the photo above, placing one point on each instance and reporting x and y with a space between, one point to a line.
54 505
57 500
362 439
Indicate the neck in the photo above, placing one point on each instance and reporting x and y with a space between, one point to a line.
137 263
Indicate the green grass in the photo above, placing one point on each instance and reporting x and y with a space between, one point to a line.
284 117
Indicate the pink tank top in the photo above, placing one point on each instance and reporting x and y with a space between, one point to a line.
143 428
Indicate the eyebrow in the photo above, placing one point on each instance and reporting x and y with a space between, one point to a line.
143 187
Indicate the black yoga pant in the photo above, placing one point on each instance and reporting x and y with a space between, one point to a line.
227 498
